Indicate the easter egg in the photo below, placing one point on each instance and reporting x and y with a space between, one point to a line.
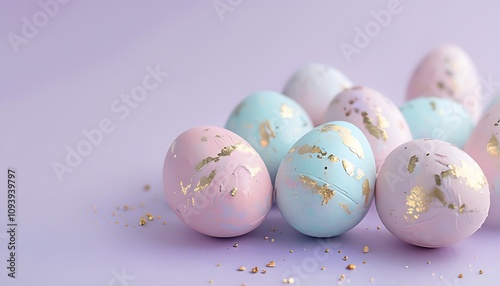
271 123
430 193
324 186
216 183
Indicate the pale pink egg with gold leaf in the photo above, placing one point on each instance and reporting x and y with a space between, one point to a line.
216 183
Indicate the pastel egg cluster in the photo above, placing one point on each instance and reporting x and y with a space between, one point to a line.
325 148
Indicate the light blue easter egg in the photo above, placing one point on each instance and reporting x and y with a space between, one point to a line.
271 123
438 118
325 184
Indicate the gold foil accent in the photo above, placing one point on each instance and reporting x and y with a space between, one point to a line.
286 111
348 167
452 206
234 191
266 133
417 202
438 179
473 175
366 190
324 191
205 162
438 194
359 174
226 151
461 209
185 188
345 134
346 208
378 130
292 150
204 139
433 105
311 149
333 158
493 148
204 181
412 163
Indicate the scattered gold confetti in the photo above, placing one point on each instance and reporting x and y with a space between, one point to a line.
364 261
340 251
285 281
255 269
291 280
351 266
271 264
323 267
342 277
481 272
272 239
345 258
147 187
263 271
142 221
291 250
235 245
125 208
366 249
150 216
242 268
218 264
164 223
428 262
378 226
211 281
327 250
158 216
460 275
412 163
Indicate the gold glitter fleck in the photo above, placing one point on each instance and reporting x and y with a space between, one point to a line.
412 163
438 194
286 111
204 139
311 149
272 239
347 138
333 158
266 237
351 266
417 202
348 167
235 245
366 249
291 280
364 261
263 271
147 187
204 182
323 268
471 173
366 190
224 152
452 206
150 216
242 268
481 272
324 191
345 258
493 148
345 207
292 150
271 264
359 174
266 133
142 221
234 191
378 227
291 250
433 105
327 250
460 275
184 188
461 209
342 277
255 269
377 130
438 179
164 223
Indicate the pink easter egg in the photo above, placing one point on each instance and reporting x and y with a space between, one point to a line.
216 183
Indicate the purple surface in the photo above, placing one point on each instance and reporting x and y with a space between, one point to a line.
70 74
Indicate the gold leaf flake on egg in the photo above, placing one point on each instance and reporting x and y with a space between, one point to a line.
224 152
185 188
452 206
205 162
333 158
417 203
493 148
204 139
438 194
412 163
461 209
345 207
313 185
292 150
433 105
347 138
437 178
359 174
472 174
286 111
348 167
234 191
266 133
366 190
204 182
377 130
305 149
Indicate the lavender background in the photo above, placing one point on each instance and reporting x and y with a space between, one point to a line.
67 75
